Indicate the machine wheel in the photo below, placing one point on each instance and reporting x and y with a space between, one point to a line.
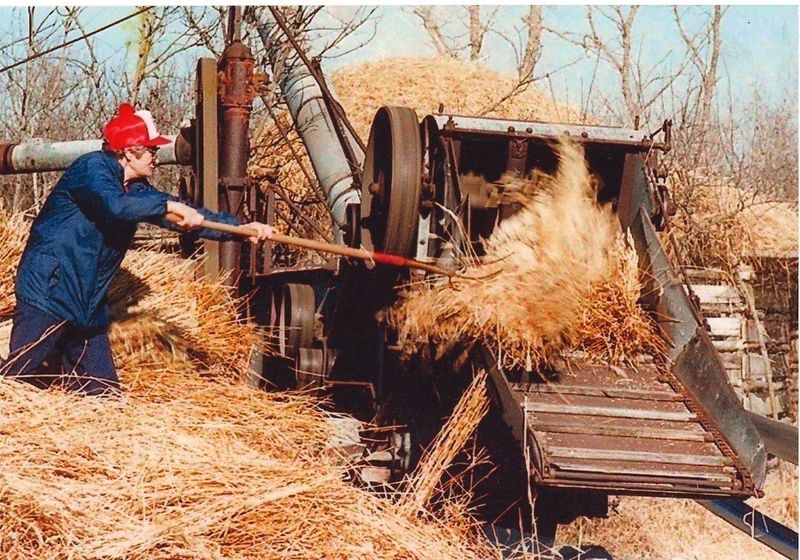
309 367
391 182
292 317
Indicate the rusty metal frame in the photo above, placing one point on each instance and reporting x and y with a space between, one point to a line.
458 126
696 367
514 416
237 85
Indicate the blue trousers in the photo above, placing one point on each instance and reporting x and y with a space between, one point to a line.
48 351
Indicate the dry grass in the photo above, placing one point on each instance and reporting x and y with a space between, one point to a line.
5 337
189 463
666 528
157 304
557 278
13 233
422 83
215 471
612 326
720 225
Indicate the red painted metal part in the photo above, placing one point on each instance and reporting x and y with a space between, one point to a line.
392 260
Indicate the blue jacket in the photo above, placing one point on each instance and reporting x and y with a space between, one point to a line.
81 235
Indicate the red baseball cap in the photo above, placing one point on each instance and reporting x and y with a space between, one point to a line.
129 128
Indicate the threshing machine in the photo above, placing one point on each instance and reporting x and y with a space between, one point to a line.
669 428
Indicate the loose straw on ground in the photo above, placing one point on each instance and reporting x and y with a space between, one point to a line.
667 528
218 471
189 463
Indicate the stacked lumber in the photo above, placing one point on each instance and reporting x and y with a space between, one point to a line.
732 321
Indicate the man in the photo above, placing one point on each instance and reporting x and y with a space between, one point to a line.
75 249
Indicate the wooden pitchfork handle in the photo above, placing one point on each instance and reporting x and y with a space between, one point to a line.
343 250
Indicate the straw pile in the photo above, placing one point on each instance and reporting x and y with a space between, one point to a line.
189 463
684 529
464 88
723 226
13 232
557 277
158 304
218 471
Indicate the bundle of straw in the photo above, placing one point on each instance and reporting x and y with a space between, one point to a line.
612 327
557 276
157 303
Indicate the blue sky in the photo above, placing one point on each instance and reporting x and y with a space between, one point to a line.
760 43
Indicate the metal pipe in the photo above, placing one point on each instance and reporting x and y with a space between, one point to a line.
316 128
765 530
332 104
236 91
779 438
36 156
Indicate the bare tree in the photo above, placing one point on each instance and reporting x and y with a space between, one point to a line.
533 45
148 22
703 51
640 87
34 93
477 31
527 50
162 36
445 46
462 35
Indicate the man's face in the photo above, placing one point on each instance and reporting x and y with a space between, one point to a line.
141 161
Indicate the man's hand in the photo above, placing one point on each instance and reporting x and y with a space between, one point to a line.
263 232
189 217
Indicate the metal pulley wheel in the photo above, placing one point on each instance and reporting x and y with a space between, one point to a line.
310 368
391 182
292 309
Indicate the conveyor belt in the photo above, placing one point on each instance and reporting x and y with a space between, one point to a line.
625 431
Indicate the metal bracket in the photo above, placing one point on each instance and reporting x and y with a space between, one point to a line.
235 182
